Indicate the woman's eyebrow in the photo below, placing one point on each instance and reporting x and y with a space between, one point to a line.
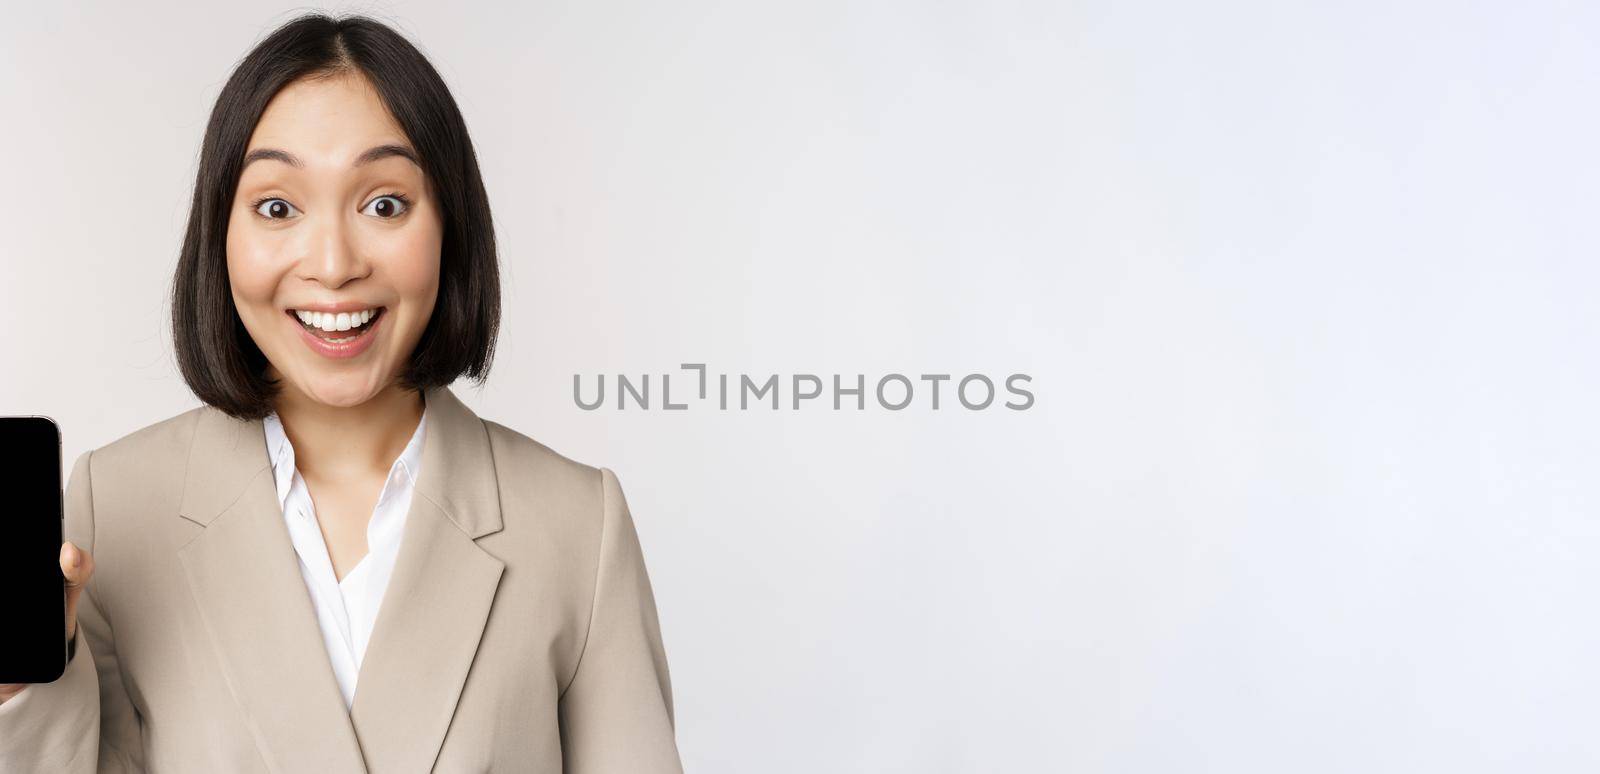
384 151
368 156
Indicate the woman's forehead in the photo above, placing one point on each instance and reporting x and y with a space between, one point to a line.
327 121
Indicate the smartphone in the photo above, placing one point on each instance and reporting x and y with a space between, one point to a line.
33 595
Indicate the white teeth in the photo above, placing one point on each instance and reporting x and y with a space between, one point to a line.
330 322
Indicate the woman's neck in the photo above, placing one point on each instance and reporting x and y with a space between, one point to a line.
333 443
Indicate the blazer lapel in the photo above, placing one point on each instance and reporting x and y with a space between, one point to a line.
245 577
434 610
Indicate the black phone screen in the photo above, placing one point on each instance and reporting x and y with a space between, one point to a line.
33 608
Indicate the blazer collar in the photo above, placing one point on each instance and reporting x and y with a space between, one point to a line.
245 578
457 464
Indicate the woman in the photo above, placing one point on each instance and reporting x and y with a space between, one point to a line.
334 565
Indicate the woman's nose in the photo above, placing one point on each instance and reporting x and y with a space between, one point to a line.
332 257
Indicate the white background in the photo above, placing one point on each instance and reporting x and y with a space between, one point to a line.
1306 291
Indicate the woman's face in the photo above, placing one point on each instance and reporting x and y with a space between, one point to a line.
333 241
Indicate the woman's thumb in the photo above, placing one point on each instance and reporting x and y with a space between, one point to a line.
72 564
76 567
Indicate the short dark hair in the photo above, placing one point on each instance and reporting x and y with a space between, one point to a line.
228 371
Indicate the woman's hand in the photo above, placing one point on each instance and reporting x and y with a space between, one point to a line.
76 567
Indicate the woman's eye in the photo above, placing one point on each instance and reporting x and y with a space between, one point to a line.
388 206
275 209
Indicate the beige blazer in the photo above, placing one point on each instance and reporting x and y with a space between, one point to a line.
518 632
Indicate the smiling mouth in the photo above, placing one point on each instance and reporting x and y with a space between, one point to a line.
340 328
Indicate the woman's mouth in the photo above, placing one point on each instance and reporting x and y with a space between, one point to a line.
345 334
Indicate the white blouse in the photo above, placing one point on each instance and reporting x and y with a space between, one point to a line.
347 609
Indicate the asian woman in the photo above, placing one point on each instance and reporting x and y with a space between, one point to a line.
333 565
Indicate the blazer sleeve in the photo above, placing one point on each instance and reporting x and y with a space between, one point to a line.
616 713
83 722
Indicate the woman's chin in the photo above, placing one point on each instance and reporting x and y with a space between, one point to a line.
340 391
